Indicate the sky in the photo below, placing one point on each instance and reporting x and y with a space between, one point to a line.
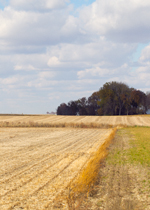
55 51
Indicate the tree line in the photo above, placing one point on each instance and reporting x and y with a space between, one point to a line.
114 98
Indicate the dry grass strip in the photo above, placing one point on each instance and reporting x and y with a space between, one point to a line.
32 124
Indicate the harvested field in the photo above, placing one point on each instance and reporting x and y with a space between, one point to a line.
37 164
73 121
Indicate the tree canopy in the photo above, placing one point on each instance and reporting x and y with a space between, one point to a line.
114 98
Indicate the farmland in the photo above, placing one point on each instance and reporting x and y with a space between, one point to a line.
37 164
72 121
42 155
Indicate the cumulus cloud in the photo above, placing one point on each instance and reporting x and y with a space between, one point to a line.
97 72
53 61
93 72
118 20
47 74
30 28
37 4
26 68
9 80
101 53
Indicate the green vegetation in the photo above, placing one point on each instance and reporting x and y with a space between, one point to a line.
140 145
119 154
138 151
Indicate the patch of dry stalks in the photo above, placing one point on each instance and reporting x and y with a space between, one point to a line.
32 124
82 186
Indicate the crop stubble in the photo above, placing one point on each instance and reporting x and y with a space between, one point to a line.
37 164
52 120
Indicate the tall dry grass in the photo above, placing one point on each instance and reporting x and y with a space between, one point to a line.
32 124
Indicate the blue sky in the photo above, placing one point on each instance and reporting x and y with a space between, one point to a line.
3 3
79 3
54 51
138 51
76 3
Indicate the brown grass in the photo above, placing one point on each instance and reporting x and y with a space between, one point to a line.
84 183
32 124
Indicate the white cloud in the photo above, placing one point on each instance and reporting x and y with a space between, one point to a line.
53 61
26 67
32 28
124 21
145 54
93 72
47 74
70 27
55 3
37 4
83 56
9 80
98 72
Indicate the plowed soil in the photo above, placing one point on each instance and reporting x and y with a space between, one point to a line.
37 164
